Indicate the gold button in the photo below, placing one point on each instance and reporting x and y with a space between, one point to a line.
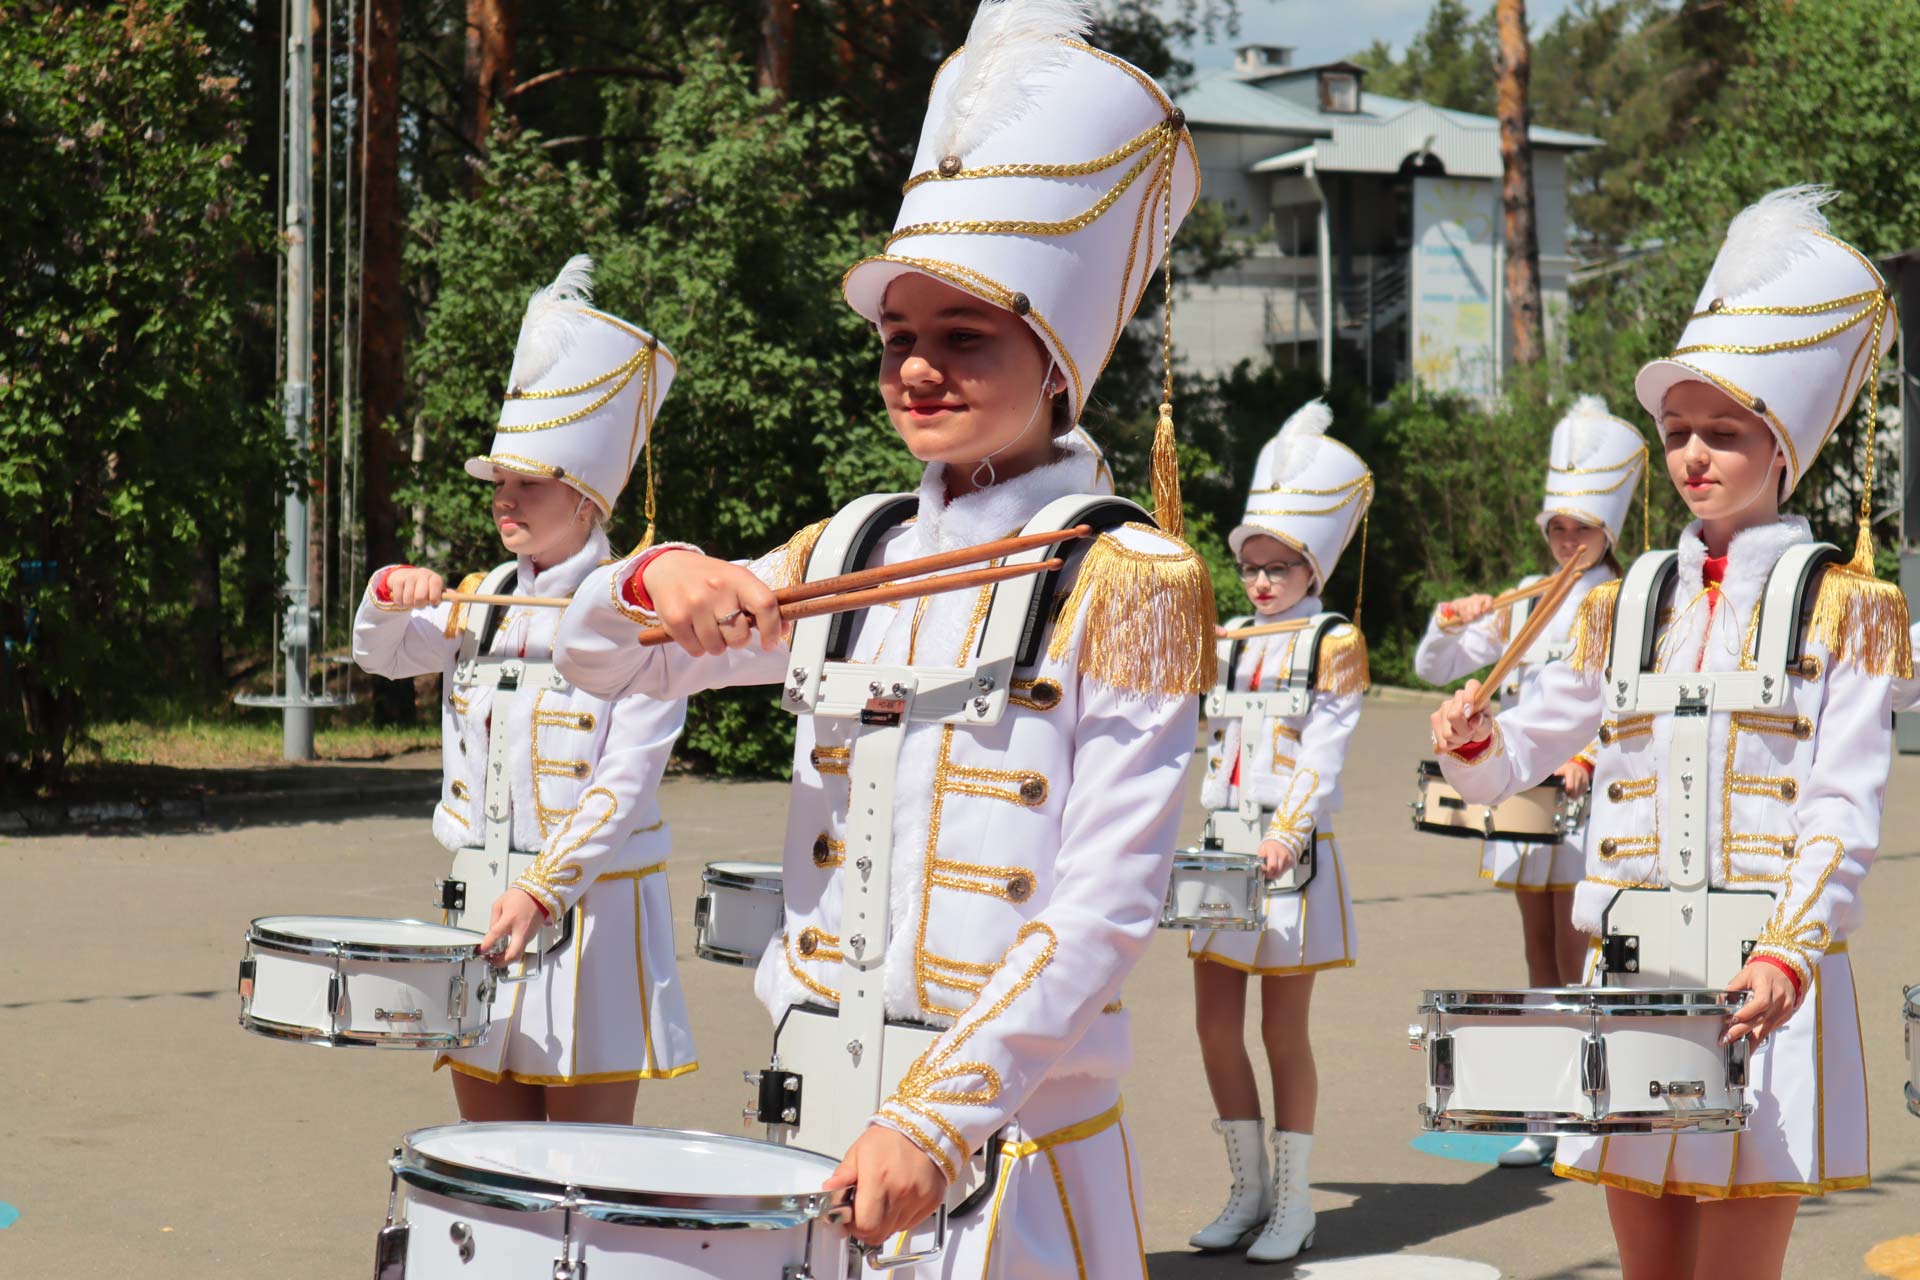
1020 887
949 165
821 851
1219 735
1789 789
809 941
1034 789
1606 734
1802 728
1786 849
1607 846
1213 762
1019 304
1716 304
581 768
1615 791
1045 694
1809 667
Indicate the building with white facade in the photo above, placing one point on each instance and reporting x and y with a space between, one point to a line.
1373 227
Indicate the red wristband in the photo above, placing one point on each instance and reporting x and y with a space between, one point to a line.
633 591
1474 750
380 591
1793 975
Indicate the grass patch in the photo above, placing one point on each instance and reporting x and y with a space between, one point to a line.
196 743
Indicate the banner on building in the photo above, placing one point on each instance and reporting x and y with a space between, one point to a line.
1456 230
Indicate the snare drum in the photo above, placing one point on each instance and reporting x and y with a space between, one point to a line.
1582 1061
1539 815
739 911
346 980
1211 890
511 1201
1913 1058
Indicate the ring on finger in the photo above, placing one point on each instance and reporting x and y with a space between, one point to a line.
729 618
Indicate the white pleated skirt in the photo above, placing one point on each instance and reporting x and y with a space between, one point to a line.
1808 1132
1306 931
1535 868
607 1007
1067 1206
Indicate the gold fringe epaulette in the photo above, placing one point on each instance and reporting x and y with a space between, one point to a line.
457 616
1149 618
799 550
1593 628
1503 624
1863 620
1342 663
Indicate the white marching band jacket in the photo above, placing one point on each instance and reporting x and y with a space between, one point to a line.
1793 793
584 771
1293 769
1029 856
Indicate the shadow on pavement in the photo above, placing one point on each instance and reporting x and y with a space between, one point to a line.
1384 1217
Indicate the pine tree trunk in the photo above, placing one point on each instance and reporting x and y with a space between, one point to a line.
1516 157
384 326
776 46
492 30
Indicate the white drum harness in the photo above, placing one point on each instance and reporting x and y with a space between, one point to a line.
1687 935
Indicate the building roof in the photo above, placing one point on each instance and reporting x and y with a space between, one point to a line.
1376 139
1221 100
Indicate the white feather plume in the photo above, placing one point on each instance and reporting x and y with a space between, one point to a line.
1765 238
555 316
1582 433
1012 45
1299 439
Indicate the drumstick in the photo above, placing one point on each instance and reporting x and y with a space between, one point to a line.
536 602
1506 598
888 573
873 577
1560 586
1264 629
850 600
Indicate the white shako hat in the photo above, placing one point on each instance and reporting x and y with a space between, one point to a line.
1049 180
1595 467
1308 491
584 391
1791 323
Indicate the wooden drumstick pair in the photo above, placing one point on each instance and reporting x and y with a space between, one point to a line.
1553 592
866 587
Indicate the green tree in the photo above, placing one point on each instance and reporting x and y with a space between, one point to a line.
130 461
1449 63
731 253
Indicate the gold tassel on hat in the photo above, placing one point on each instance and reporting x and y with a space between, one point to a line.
1168 511
646 411
1149 618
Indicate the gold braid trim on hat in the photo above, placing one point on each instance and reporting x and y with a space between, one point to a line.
1075 169
1593 628
1148 618
1342 663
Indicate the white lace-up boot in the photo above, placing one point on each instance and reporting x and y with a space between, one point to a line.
1529 1152
1290 1229
1250 1201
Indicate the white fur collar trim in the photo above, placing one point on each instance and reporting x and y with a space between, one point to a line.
1000 509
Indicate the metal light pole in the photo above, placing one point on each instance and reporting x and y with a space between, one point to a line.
297 633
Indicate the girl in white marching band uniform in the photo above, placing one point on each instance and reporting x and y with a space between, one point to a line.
1596 464
1310 495
605 1010
1029 857
1789 326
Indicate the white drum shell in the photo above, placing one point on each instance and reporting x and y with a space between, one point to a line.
287 994
511 1243
740 911
1520 1069
1215 891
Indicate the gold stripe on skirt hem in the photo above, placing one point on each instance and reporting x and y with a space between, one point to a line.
598 1077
